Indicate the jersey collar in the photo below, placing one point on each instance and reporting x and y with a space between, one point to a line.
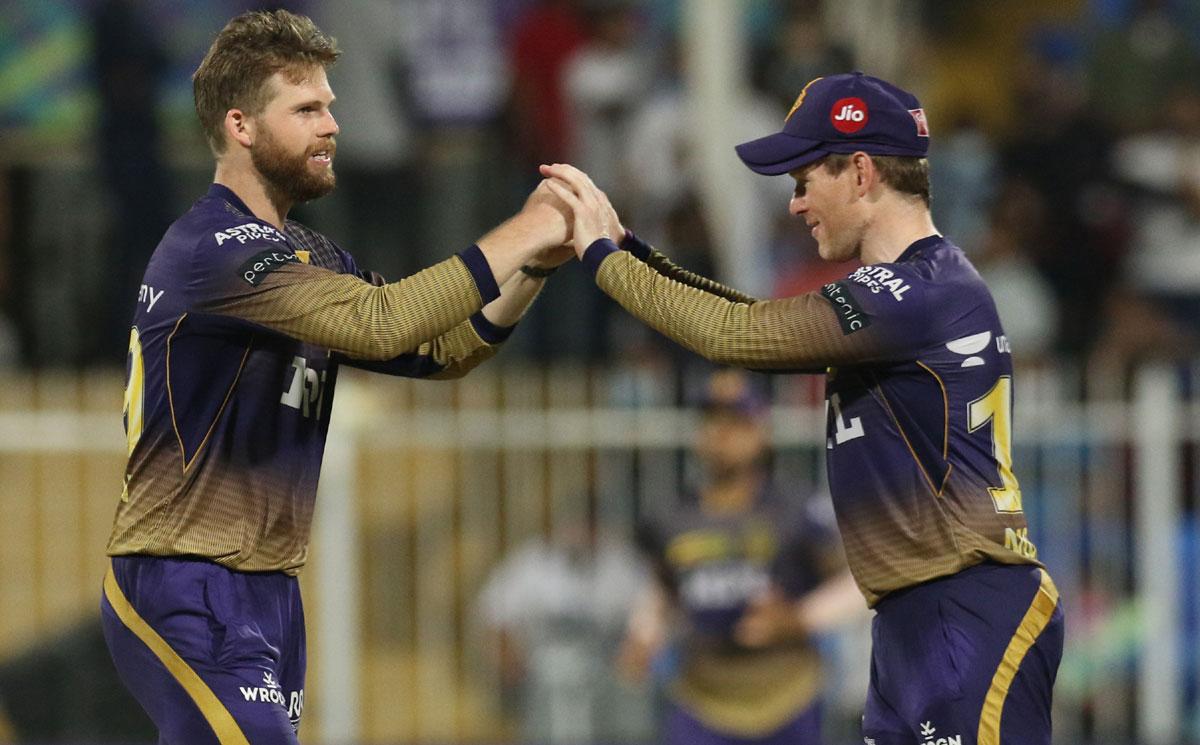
919 246
221 191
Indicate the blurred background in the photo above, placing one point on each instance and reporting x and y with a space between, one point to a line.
473 565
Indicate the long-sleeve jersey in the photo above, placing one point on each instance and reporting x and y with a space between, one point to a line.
919 388
714 566
233 356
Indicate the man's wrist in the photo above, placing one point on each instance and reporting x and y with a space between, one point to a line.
538 272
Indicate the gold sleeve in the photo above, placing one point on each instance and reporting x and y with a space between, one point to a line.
458 351
800 332
659 262
348 315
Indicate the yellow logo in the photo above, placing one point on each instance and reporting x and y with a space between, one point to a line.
303 256
800 99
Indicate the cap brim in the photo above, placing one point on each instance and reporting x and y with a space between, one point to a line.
779 153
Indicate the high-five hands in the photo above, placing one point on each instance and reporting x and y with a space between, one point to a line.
543 202
593 215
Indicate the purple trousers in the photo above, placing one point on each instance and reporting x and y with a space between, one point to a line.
968 659
214 656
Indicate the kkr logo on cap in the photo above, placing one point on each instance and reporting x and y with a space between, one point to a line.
800 99
918 116
849 115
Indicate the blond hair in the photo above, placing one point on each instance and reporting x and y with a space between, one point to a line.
246 53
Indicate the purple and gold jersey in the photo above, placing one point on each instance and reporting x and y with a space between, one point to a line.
714 566
233 358
919 388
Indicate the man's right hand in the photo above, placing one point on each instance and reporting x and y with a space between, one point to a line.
594 216
535 235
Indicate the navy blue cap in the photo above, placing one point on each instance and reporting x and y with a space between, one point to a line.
842 114
731 392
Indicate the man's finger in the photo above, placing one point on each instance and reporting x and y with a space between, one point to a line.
564 193
578 180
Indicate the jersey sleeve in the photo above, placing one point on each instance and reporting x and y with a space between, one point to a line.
259 279
447 356
659 262
847 322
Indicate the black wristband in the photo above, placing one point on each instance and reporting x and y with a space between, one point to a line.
538 272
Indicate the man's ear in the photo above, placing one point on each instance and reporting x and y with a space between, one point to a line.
864 171
239 128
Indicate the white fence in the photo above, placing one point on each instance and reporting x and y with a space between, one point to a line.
427 486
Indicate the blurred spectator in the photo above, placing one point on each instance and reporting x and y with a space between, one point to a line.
1140 52
745 577
1061 150
661 163
556 610
459 82
128 66
963 184
1158 311
605 82
800 51
1024 299
544 40
377 192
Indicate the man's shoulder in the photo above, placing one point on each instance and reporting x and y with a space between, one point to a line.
211 221
321 249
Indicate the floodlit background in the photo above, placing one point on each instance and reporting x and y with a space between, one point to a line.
1066 162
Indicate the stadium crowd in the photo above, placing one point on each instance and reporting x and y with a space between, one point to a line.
1067 149
1067 152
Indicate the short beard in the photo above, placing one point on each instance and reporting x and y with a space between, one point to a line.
285 175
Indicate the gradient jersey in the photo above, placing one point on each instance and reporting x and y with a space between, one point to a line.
237 336
714 565
919 389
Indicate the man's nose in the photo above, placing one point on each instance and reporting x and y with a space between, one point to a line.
329 126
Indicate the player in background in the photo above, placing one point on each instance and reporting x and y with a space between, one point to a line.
242 322
745 577
968 630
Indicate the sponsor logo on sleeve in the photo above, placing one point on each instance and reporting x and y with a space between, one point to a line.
248 232
258 266
851 317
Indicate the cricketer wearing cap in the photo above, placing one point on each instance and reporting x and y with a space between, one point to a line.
746 577
242 322
968 630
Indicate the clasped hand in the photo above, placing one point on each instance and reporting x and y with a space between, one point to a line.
584 208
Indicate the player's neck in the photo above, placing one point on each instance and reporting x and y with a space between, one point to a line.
898 222
252 189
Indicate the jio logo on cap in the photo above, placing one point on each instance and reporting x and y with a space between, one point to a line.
848 115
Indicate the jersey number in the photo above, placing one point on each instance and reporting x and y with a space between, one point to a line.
135 392
843 430
135 401
996 406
